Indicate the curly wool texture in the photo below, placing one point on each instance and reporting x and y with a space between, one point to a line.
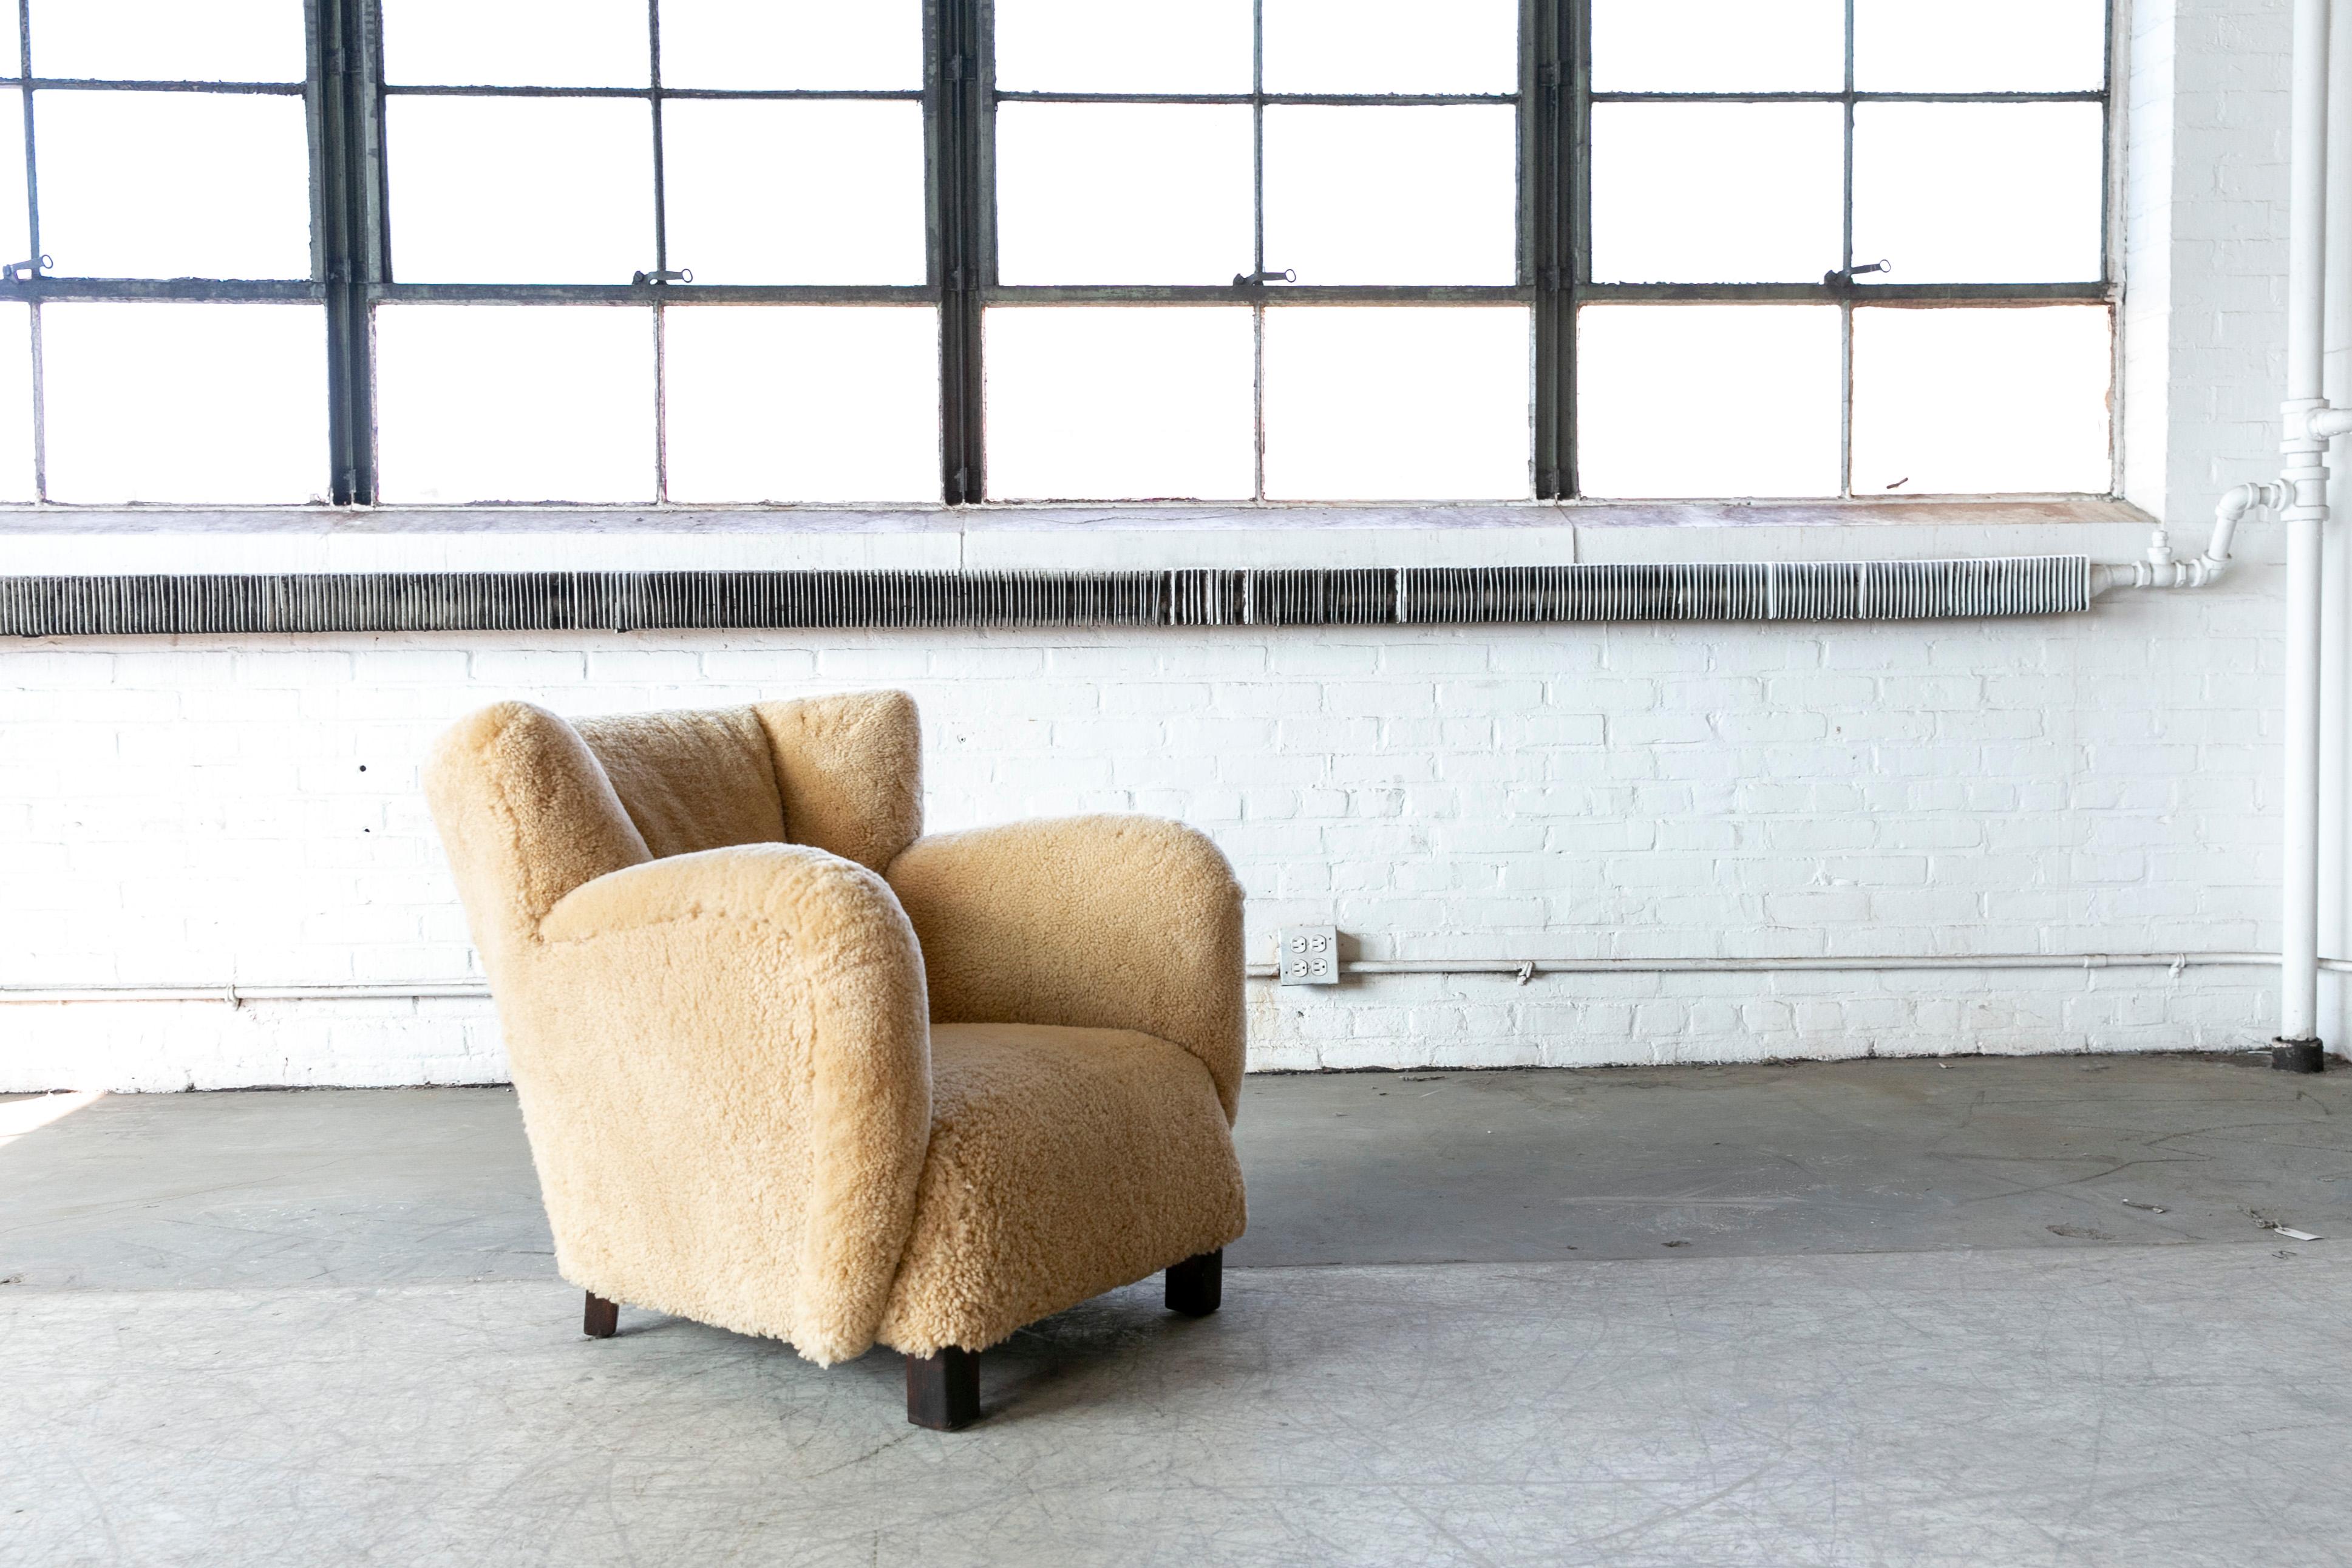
722 1042
1128 922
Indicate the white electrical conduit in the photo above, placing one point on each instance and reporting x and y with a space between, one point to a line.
1525 969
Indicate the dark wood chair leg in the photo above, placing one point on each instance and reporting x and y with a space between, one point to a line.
943 1390
603 1317
1196 1287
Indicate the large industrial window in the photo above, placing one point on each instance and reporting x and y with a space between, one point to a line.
449 251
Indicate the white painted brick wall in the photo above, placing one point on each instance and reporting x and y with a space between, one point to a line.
211 811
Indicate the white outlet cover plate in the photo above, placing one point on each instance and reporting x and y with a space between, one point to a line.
1309 954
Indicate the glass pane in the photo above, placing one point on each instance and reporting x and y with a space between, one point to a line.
793 402
174 185
1396 404
874 46
1392 194
1719 45
517 43
1981 45
12 50
167 40
1979 193
514 402
185 402
1084 45
1640 367
16 403
519 190
13 228
1965 402
1391 45
1123 192
1120 402
840 191
1718 193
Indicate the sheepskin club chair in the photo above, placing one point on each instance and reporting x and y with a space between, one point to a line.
789 1067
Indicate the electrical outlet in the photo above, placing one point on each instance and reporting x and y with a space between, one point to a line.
1310 954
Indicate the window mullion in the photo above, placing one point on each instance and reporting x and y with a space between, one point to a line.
959 81
1257 247
1845 266
349 170
1550 86
33 231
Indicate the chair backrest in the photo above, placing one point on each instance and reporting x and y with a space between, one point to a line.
530 807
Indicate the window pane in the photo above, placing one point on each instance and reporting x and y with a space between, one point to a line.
517 43
185 402
1396 404
16 403
514 402
1391 194
840 191
874 46
1123 192
1639 368
1084 45
13 229
1981 45
1120 402
174 185
1979 193
802 404
1391 45
167 40
1716 192
1719 45
1962 401
519 190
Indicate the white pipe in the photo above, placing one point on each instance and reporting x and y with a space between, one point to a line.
1986 961
2336 565
2161 568
2306 449
1531 968
478 991
237 994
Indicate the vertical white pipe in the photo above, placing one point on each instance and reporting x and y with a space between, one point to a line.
2308 215
2336 564
2307 516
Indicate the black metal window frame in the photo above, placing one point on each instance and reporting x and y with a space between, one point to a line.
1844 293
353 225
29 279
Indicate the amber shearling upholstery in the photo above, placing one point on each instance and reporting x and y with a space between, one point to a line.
790 1067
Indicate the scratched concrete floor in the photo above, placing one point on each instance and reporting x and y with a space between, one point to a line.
1875 1313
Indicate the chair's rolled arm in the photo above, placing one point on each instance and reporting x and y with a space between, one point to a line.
728 1054
1094 922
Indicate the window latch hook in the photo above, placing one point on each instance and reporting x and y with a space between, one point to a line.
1260 279
641 279
1844 277
25 271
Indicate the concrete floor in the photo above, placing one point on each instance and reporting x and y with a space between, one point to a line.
1875 1313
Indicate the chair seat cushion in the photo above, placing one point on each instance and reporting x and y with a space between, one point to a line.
1063 1162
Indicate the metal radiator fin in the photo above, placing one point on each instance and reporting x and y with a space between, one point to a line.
659 601
1776 590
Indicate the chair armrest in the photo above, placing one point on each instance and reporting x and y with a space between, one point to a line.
724 1063
1093 922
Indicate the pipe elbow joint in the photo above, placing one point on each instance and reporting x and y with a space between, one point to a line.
2239 499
